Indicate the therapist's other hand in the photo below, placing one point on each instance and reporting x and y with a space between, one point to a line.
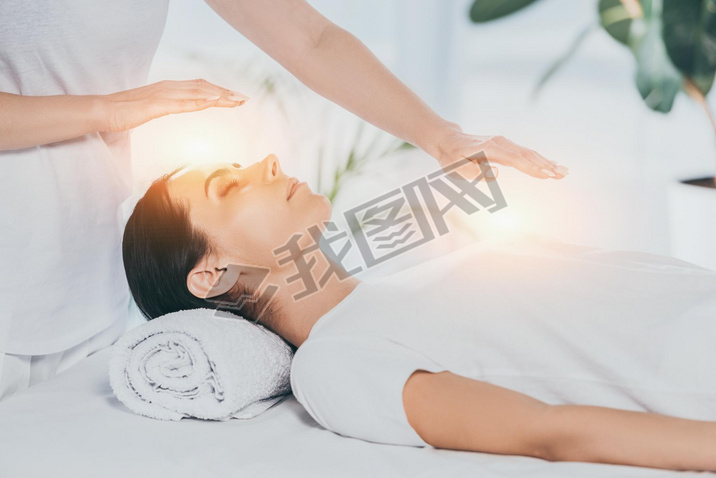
128 109
456 145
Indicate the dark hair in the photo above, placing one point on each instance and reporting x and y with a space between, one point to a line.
161 246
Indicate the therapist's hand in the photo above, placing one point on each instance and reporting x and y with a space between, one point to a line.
456 145
128 109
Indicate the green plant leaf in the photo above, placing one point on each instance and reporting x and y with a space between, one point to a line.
483 11
615 19
690 35
350 164
319 172
703 83
650 7
564 58
405 145
657 78
627 25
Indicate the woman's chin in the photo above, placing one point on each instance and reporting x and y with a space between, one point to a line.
320 212
327 206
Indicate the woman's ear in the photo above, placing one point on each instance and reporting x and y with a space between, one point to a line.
208 280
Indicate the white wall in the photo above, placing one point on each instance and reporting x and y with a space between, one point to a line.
589 118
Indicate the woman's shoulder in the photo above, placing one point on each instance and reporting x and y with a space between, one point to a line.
335 351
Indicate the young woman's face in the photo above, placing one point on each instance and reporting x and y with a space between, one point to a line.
247 211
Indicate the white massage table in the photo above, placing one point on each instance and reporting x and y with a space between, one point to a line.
73 426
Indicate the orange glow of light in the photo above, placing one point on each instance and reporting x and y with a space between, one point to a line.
507 222
201 149
176 140
206 143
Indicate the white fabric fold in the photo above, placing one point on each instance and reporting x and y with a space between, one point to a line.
200 363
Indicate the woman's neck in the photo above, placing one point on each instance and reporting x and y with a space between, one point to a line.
298 307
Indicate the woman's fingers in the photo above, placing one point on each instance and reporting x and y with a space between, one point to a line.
195 95
512 158
209 90
549 167
215 100
201 84
495 150
131 108
173 106
202 89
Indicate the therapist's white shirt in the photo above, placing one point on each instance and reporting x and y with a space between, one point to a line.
561 323
60 224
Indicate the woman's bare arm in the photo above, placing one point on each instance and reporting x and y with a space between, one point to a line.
625 437
27 121
335 64
338 66
451 411
33 120
459 413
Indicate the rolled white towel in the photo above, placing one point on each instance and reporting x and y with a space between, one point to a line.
200 363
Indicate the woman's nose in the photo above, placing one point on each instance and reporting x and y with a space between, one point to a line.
271 168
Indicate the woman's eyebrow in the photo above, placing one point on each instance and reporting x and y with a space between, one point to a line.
215 174
169 176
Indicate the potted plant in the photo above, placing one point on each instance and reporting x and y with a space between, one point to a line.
674 46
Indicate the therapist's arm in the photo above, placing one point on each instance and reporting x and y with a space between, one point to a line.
27 121
455 412
338 66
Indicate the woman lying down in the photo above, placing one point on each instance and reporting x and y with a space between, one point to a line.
536 348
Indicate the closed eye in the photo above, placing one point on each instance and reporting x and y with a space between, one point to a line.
227 187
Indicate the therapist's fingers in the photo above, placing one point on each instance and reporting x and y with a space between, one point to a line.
128 109
515 159
169 106
549 168
125 115
179 96
201 89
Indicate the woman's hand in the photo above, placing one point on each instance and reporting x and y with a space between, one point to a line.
128 109
456 145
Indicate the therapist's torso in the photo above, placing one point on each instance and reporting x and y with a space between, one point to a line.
60 222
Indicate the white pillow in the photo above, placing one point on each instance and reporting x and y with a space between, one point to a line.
200 363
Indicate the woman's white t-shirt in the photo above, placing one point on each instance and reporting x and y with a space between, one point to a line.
60 222
562 323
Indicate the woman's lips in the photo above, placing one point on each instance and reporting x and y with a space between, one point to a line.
291 187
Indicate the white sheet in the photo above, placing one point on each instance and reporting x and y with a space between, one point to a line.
73 426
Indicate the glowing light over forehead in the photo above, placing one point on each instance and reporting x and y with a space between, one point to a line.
506 222
217 135
190 140
199 148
